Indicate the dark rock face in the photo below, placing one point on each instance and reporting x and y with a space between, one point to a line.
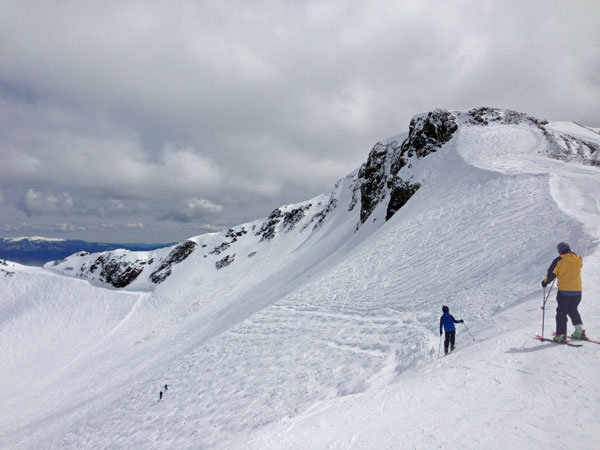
221 248
234 235
427 133
267 231
380 177
374 175
115 271
291 218
355 195
178 254
399 195
120 274
225 261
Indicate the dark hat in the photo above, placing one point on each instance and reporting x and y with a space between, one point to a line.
445 308
563 247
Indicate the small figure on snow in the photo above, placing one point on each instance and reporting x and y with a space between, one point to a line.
567 267
166 387
448 321
160 395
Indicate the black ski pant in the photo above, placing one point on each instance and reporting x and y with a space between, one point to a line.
449 339
567 306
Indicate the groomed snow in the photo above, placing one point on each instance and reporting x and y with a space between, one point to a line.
329 339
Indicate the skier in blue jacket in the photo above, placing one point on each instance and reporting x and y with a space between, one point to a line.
448 321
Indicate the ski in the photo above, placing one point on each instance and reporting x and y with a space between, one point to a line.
570 344
586 339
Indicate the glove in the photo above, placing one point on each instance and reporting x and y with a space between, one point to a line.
544 284
440 332
462 321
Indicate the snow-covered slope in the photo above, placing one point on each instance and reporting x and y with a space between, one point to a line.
320 331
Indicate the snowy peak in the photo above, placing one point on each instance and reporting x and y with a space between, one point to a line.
33 238
392 174
566 141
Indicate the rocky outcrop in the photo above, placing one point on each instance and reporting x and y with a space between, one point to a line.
234 235
288 220
494 116
380 176
115 272
293 217
560 146
5 272
178 254
225 261
427 133
374 176
570 148
220 248
399 195
267 230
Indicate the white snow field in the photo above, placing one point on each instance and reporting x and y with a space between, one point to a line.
328 339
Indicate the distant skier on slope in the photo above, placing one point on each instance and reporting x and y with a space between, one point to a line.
567 267
447 321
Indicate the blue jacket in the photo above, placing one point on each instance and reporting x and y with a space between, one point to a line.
448 321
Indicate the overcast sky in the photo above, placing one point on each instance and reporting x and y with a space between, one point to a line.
147 121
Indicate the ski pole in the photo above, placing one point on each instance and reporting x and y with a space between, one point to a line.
468 330
543 311
440 346
546 297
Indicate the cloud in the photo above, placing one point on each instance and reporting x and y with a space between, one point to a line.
68 227
45 228
248 104
191 210
47 203
138 225
20 227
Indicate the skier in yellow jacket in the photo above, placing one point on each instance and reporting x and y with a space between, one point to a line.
567 267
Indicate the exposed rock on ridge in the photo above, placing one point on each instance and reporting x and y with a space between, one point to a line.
380 175
178 254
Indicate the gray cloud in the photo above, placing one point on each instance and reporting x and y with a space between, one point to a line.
128 108
47 203
192 209
69 227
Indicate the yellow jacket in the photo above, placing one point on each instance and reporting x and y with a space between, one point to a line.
567 267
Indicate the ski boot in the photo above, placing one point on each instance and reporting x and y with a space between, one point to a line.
578 335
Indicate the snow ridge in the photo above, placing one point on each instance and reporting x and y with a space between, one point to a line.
313 328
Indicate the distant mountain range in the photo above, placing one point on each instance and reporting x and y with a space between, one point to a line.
36 251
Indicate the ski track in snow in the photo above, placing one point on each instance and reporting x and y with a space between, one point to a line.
332 344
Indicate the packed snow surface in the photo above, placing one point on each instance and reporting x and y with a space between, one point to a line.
327 337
